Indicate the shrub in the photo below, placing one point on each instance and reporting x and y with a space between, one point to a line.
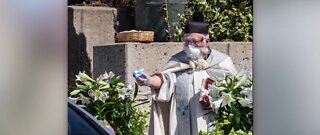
219 131
230 20
110 101
231 102
108 3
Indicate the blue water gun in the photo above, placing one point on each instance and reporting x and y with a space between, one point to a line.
137 73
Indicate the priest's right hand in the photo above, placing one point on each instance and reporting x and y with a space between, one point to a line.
154 82
143 80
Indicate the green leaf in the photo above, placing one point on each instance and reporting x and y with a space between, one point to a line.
108 103
127 108
237 119
136 89
116 80
226 122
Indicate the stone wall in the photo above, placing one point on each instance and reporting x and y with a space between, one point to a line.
95 23
124 58
92 26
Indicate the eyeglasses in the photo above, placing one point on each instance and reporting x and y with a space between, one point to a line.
195 42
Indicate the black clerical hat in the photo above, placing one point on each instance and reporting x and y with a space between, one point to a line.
196 24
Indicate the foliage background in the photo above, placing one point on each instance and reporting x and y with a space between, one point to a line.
108 3
230 20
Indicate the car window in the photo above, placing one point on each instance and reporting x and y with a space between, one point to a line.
79 126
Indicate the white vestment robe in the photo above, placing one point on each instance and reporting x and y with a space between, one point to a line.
176 109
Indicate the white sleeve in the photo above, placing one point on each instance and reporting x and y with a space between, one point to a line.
228 66
218 72
167 88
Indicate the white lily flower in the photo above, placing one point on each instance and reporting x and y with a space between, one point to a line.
120 84
122 96
215 105
248 81
242 81
106 86
78 78
91 93
125 92
242 72
221 83
214 93
79 86
248 88
111 74
74 99
84 100
85 77
98 95
217 88
103 77
227 99
74 92
129 90
247 92
245 102
106 94
105 97
87 83
221 88
121 93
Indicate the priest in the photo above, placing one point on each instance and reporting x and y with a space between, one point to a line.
176 109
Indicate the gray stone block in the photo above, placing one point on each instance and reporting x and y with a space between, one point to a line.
220 46
111 58
241 53
92 26
95 23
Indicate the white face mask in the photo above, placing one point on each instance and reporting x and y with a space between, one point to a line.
192 52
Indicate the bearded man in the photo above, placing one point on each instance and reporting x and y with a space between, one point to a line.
176 91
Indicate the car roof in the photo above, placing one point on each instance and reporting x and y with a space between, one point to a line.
77 108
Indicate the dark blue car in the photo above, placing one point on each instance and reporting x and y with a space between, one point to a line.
80 122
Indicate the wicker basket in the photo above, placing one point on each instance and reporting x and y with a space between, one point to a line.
135 36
